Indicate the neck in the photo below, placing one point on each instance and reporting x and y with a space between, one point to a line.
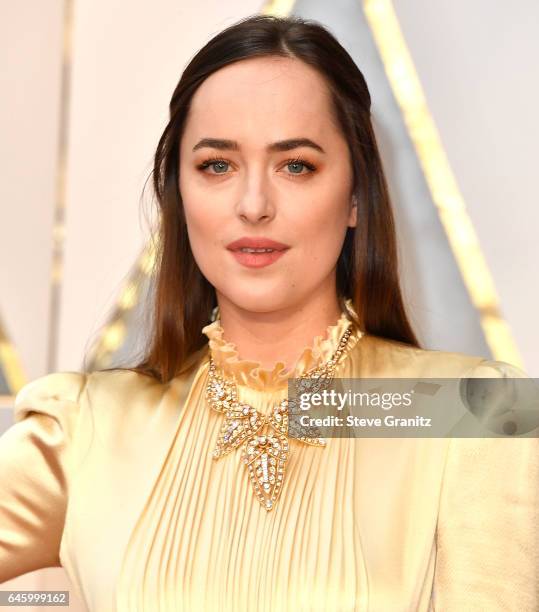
277 335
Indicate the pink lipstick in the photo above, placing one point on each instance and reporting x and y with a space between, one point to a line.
257 252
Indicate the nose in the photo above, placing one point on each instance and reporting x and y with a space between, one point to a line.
255 207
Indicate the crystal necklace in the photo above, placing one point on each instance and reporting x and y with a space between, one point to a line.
265 453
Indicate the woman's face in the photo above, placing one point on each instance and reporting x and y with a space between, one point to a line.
244 184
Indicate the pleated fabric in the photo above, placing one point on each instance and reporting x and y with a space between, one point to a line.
205 542
111 475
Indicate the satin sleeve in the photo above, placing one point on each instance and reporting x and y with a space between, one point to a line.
35 464
487 535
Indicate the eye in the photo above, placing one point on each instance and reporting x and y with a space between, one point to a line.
216 163
220 166
296 163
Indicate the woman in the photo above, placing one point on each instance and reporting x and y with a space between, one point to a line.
277 258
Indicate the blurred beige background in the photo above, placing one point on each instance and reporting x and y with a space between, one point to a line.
476 63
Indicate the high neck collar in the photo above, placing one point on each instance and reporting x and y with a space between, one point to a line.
251 374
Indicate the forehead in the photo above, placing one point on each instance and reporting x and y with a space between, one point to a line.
263 99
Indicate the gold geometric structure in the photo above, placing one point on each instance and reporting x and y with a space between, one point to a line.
12 376
126 315
60 202
448 199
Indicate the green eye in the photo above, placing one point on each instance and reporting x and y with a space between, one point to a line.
294 167
219 165
297 165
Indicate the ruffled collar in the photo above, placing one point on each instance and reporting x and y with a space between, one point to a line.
251 374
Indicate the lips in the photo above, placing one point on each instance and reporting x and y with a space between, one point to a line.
257 259
254 242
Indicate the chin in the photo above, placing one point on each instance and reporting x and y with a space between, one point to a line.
262 301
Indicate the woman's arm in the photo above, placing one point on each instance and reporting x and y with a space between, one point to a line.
34 473
488 527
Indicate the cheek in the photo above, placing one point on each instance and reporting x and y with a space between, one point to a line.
323 236
202 216
203 227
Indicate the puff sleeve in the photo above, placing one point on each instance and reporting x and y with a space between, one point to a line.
35 462
487 536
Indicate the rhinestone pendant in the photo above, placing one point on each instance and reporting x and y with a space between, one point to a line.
266 457
294 429
278 418
241 422
221 394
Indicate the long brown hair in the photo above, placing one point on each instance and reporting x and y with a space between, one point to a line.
367 268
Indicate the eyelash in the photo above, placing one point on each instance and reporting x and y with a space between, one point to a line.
297 160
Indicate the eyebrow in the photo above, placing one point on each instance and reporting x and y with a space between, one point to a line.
282 145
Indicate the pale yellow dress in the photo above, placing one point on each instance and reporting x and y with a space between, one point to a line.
111 475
